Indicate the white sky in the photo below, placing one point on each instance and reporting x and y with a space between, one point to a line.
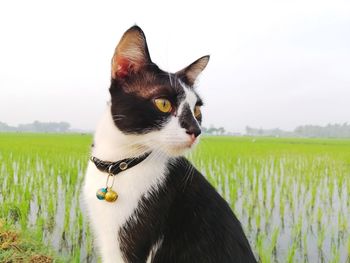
273 63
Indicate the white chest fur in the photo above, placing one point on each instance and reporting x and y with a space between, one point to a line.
107 218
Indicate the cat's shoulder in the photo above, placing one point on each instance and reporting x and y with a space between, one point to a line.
183 175
180 168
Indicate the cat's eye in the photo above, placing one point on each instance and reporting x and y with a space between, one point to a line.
163 105
197 111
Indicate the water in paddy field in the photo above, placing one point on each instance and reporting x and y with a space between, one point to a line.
47 200
294 208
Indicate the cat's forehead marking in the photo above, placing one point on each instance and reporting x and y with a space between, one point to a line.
190 96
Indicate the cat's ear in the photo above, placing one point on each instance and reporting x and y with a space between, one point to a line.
131 54
191 72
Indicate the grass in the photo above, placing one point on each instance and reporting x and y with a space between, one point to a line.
17 246
291 195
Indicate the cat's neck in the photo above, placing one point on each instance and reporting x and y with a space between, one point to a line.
110 144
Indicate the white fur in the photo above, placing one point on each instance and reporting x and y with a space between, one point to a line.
191 98
154 249
112 145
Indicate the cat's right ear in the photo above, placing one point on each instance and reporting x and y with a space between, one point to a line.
191 72
131 54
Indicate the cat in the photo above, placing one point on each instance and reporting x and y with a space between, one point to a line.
159 208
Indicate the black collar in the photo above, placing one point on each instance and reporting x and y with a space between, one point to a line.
115 168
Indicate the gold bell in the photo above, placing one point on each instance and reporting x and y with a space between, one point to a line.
111 196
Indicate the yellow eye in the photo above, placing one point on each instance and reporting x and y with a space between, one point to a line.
197 111
163 105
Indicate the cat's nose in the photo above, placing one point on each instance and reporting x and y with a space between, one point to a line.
194 131
188 122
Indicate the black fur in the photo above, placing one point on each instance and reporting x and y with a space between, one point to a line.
189 219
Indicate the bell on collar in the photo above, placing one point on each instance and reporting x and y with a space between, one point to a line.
101 193
111 196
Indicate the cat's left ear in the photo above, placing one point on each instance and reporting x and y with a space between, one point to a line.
191 72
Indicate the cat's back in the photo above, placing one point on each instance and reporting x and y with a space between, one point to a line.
200 225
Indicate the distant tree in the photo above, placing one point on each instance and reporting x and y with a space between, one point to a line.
4 127
221 130
248 130
212 130
38 126
328 131
63 126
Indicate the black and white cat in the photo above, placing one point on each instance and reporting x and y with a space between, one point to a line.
166 211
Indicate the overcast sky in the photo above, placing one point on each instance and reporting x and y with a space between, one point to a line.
273 63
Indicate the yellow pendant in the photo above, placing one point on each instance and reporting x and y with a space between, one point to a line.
111 196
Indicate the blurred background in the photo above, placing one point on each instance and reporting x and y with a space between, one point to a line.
274 64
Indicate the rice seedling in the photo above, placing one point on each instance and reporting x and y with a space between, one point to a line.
291 195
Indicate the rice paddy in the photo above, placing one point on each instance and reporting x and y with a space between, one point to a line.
291 195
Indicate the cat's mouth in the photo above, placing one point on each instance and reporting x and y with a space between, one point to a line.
193 140
190 143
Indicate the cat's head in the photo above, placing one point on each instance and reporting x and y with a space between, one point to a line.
160 110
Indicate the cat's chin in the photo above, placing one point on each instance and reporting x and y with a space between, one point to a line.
179 150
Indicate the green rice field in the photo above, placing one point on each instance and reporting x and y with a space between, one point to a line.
291 195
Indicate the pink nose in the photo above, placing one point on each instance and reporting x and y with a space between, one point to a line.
193 131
